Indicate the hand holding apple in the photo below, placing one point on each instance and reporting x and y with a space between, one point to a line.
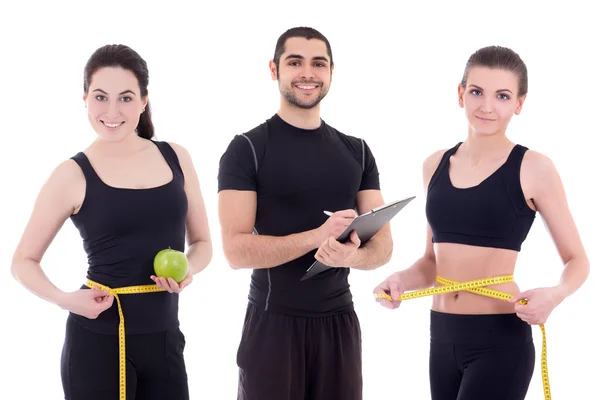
172 270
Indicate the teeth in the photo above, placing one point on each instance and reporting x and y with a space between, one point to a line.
306 87
113 125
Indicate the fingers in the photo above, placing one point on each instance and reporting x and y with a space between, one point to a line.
384 290
350 214
107 302
174 286
519 296
322 257
355 239
169 284
97 293
395 291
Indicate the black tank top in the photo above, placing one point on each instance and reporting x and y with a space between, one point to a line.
122 230
491 214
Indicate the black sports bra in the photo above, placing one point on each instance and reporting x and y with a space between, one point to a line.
491 214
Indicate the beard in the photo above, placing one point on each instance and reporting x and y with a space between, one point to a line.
307 104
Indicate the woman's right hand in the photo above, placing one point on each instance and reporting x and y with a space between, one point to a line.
89 303
393 286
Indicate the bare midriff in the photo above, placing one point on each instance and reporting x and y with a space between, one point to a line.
458 262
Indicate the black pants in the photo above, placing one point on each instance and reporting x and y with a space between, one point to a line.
475 357
283 357
155 365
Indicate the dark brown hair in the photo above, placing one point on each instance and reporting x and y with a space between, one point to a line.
498 57
119 55
303 32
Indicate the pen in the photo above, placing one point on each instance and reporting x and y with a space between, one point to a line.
328 213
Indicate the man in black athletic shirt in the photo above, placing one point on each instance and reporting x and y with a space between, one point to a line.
301 339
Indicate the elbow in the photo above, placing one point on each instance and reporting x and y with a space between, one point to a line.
585 268
16 268
232 257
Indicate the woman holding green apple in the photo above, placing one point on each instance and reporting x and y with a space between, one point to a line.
130 197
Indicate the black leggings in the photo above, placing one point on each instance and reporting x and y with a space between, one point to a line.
284 357
155 365
475 357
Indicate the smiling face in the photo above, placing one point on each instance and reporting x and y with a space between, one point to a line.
490 99
114 103
304 72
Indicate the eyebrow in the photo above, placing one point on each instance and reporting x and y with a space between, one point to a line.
123 92
318 58
497 91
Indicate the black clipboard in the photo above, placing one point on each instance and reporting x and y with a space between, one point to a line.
366 226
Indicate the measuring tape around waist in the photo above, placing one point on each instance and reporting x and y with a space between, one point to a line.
479 287
116 292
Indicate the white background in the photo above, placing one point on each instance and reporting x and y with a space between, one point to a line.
394 84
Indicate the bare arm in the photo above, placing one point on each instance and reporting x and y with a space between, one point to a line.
421 274
237 213
545 187
377 251
200 250
55 202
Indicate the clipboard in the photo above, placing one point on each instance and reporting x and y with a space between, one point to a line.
366 226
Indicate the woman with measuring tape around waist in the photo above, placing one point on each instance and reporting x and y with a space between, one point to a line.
482 198
130 197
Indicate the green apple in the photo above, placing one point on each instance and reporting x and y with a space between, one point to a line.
169 263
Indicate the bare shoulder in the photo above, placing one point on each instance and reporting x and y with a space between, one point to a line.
537 163
182 153
65 174
65 187
184 157
538 174
431 163
186 163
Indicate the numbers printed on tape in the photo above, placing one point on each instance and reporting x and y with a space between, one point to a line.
116 292
479 287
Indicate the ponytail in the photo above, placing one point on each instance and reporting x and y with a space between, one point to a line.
145 128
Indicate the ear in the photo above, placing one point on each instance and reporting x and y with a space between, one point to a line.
521 100
85 96
273 69
145 102
461 95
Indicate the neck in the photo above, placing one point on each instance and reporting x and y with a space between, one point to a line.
129 144
300 117
485 147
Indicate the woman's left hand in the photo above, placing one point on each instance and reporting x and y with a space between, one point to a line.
540 303
170 285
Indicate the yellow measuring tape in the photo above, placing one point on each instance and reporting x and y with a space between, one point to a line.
479 287
116 292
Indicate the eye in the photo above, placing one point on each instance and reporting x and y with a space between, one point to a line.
320 64
503 96
126 99
100 97
294 63
476 92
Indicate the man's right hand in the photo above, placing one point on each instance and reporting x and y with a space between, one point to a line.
335 225
89 303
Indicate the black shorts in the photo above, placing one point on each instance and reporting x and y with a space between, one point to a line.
155 365
284 357
474 357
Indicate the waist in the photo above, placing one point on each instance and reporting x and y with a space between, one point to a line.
281 291
456 263
144 312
